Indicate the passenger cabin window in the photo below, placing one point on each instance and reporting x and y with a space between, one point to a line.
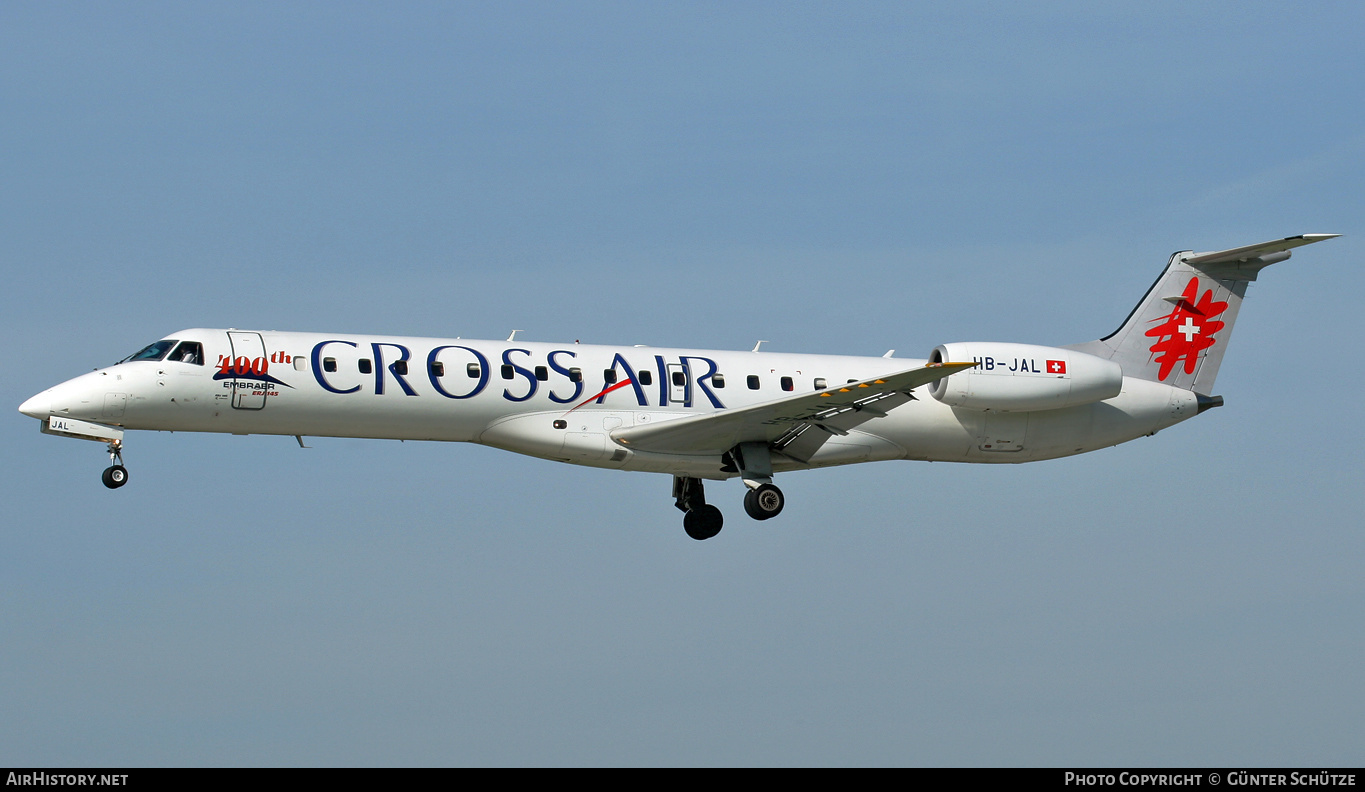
753 382
787 384
679 378
542 373
472 370
820 383
155 351
438 369
329 364
575 374
609 376
507 371
300 363
400 368
189 352
646 378
365 366
718 380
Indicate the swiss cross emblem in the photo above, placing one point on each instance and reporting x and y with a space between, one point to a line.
1056 367
1185 332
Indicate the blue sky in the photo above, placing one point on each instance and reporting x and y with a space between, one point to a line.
833 178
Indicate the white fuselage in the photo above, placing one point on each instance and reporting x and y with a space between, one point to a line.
548 400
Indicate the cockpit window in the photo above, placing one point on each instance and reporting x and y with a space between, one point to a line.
189 352
155 351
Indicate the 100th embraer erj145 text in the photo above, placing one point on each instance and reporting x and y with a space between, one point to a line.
692 414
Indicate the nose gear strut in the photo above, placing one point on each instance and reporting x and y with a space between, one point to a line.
116 475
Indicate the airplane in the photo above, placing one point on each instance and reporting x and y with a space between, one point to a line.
697 415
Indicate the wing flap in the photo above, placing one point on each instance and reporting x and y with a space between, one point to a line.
795 425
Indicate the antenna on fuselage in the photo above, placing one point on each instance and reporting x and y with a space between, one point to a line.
759 344
513 336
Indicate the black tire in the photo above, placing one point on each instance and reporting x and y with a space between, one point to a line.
703 522
115 476
764 503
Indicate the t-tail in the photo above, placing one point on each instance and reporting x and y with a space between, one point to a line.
1179 331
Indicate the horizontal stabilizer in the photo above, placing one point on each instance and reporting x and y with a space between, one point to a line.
783 422
1243 254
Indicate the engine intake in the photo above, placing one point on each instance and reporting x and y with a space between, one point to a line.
1023 377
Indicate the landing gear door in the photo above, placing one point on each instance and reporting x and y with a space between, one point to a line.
249 368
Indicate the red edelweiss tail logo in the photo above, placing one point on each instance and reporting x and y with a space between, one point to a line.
1186 331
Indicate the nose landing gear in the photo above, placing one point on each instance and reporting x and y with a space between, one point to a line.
116 475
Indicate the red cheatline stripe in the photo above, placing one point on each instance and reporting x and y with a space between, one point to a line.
620 384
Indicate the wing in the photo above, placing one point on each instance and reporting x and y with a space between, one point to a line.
795 425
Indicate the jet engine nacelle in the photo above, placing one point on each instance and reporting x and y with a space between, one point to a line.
1023 377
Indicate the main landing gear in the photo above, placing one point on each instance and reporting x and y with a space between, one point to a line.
764 502
116 475
703 521
700 519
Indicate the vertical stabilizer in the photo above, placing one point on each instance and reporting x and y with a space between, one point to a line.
1179 331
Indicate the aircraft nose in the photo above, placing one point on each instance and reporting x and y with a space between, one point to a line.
38 406
77 398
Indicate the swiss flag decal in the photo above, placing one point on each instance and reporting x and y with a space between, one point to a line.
1056 367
